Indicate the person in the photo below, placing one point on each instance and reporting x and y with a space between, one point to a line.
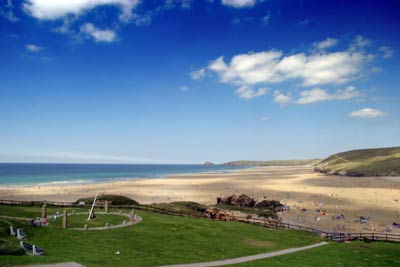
32 223
45 222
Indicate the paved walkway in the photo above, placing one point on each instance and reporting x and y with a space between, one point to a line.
64 264
247 258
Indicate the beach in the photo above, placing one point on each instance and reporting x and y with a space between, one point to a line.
315 200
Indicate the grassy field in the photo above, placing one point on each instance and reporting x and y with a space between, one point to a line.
162 239
354 254
157 240
363 162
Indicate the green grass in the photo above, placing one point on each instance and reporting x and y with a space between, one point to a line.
186 207
78 221
157 240
354 254
364 162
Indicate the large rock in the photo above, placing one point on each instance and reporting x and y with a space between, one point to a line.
237 200
270 204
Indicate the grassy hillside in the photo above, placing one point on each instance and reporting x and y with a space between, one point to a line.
297 162
363 162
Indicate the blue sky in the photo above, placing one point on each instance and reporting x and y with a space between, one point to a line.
128 81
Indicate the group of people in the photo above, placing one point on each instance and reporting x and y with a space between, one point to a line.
39 222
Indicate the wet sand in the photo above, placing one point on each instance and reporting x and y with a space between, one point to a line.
299 187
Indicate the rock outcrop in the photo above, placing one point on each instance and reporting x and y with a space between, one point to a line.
270 204
237 200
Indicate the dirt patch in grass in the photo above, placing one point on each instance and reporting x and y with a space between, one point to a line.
259 243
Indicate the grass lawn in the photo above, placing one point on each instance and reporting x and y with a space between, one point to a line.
354 254
78 221
157 240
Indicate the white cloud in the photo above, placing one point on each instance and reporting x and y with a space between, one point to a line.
198 74
387 52
239 3
97 34
367 113
248 93
7 11
33 48
327 43
52 9
317 95
272 67
359 43
264 118
265 19
281 98
184 88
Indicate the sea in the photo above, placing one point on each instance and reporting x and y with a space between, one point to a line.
21 174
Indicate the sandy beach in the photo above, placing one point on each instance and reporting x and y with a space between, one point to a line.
299 187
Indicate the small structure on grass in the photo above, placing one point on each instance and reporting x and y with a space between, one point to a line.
44 211
65 219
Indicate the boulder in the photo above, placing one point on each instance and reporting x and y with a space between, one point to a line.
237 200
270 204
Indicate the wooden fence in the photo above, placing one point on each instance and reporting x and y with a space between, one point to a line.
273 224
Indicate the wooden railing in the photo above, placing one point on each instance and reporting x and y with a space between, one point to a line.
273 224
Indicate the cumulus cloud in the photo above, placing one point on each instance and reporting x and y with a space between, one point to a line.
97 34
314 69
281 98
50 9
273 67
327 43
33 48
367 113
239 3
386 51
248 93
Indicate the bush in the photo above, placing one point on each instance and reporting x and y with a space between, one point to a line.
114 199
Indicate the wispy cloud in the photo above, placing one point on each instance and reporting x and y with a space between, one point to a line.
318 95
386 51
7 10
184 88
97 34
239 3
248 93
198 74
367 113
33 48
327 43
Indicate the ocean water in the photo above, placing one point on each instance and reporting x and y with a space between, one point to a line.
38 173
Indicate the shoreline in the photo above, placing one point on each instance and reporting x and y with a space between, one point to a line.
94 180
299 187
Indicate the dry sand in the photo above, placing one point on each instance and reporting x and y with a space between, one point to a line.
298 187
